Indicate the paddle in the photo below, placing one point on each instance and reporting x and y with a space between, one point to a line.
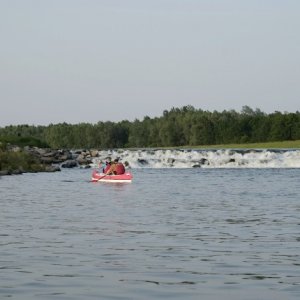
95 174
103 171
102 177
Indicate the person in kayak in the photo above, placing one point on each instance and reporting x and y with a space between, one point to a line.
116 168
120 168
107 166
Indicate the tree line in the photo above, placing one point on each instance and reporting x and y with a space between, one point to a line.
185 126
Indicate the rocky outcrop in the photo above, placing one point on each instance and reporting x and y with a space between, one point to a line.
49 156
64 158
47 160
52 160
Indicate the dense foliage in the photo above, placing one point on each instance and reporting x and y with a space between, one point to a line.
22 141
177 127
19 160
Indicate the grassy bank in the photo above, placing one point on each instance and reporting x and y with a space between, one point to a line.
269 145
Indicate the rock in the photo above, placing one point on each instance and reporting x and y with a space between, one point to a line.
84 160
47 160
52 169
81 159
43 152
16 172
65 153
9 172
63 157
203 161
171 160
4 173
85 166
94 153
49 154
143 161
196 166
78 151
69 164
16 149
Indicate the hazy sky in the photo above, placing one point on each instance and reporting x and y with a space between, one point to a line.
97 60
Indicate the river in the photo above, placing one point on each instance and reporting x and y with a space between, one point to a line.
191 233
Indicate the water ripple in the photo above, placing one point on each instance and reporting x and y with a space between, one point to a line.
230 234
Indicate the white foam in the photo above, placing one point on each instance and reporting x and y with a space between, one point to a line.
204 158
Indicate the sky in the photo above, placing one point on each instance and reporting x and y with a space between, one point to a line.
80 61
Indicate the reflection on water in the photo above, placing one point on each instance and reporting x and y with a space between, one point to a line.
189 234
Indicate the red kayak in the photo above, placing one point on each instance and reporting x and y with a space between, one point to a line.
96 176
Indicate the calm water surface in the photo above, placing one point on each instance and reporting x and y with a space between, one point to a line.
170 234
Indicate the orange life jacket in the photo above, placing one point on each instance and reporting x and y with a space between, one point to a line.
120 169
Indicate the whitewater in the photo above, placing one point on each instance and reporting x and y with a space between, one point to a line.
195 158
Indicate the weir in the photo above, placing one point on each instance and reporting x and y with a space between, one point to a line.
211 158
